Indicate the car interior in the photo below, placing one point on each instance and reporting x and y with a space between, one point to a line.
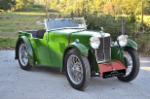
37 33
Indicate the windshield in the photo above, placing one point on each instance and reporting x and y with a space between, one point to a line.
52 24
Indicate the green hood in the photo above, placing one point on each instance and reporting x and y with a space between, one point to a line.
82 32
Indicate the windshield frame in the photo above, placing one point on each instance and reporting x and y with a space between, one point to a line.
80 26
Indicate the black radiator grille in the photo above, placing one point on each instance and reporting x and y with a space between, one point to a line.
103 53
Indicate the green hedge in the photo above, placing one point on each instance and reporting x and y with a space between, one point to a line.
112 24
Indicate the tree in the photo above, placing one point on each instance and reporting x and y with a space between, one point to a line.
131 6
147 7
6 4
21 4
95 6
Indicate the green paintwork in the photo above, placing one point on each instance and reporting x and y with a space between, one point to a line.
41 51
50 50
82 49
117 53
132 44
29 48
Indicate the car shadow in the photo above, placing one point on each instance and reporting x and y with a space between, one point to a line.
47 70
95 83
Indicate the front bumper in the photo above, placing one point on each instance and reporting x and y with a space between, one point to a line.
115 68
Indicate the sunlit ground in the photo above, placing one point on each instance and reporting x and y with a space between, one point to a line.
145 68
145 64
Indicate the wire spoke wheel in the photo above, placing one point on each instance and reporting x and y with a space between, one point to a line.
75 69
132 63
129 63
23 56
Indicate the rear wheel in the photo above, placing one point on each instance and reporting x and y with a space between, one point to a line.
131 60
23 58
77 69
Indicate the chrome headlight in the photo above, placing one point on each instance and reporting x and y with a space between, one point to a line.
95 42
123 40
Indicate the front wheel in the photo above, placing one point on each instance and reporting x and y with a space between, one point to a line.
132 63
77 69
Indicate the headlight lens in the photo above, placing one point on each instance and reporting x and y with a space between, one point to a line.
95 42
123 40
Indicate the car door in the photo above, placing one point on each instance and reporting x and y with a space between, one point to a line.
41 51
57 43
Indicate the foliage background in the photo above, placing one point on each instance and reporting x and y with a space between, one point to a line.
18 15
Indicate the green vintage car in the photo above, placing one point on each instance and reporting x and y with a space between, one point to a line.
67 45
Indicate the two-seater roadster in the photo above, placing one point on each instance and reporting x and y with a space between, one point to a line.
66 44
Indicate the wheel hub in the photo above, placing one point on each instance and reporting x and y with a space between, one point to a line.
75 69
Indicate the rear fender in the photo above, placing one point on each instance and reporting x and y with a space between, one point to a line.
29 49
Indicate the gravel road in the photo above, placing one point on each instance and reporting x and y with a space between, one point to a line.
41 83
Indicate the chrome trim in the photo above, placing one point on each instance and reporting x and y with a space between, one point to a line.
103 59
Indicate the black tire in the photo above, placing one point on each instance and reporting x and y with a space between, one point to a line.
86 70
136 66
27 66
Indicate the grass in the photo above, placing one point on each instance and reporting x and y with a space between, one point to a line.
7 43
11 23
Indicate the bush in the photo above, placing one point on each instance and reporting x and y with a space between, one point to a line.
29 7
112 25
6 4
143 41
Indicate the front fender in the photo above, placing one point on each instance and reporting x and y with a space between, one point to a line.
29 48
132 44
80 47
